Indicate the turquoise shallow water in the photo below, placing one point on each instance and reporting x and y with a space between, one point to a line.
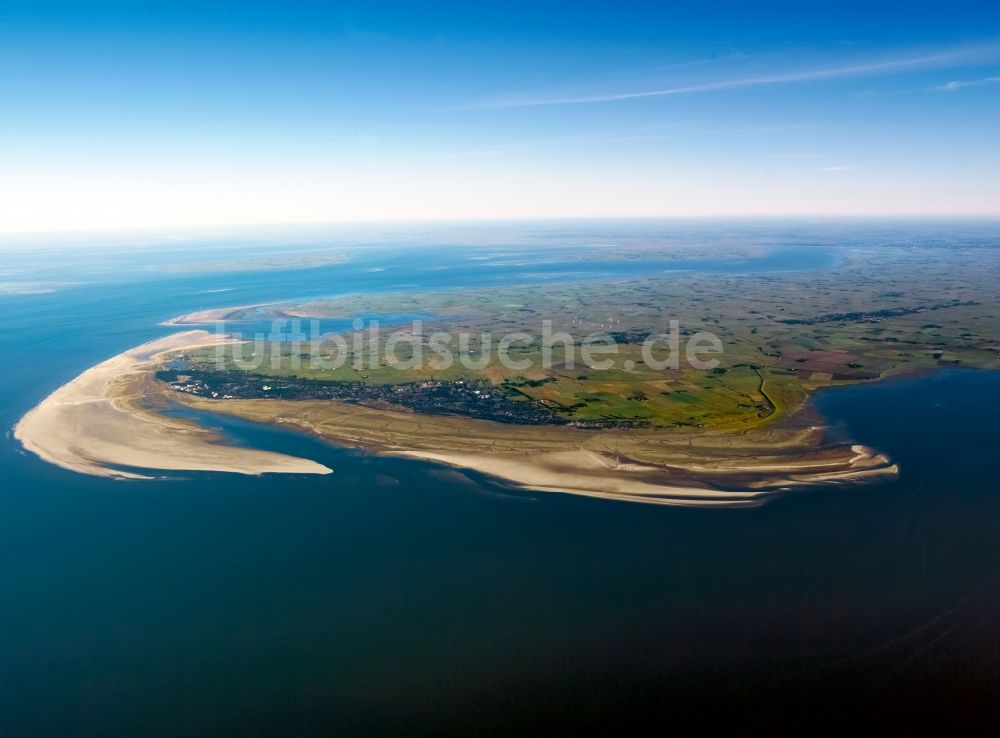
398 597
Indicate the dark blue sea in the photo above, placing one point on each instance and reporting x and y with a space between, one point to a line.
397 597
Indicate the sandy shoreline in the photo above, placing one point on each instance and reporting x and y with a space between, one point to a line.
635 465
103 419
213 315
89 425
584 473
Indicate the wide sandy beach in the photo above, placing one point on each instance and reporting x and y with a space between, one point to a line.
106 422
636 465
93 424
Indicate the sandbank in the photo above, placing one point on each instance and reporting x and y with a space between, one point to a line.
92 425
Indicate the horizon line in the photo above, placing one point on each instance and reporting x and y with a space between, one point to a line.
797 217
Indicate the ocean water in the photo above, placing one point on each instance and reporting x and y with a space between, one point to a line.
399 597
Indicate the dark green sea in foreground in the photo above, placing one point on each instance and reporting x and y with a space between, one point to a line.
399 597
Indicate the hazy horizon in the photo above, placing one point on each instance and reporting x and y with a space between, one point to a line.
165 234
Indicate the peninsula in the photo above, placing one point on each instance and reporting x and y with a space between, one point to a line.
102 423
634 428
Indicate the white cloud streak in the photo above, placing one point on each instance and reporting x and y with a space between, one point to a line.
961 84
869 68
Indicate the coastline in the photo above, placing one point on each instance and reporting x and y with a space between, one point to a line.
106 418
637 466
212 315
93 424
579 479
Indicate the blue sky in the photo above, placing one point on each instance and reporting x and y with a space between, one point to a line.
142 114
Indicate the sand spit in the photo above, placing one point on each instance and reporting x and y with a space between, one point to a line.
656 467
579 473
213 315
108 417
593 475
92 424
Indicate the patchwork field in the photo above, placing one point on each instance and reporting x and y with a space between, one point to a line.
882 311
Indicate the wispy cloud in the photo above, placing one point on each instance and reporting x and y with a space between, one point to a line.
864 68
834 170
960 84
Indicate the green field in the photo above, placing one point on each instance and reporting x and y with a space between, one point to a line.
881 312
